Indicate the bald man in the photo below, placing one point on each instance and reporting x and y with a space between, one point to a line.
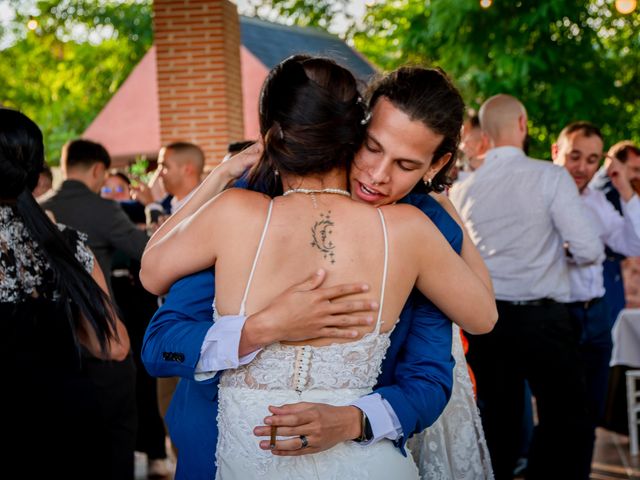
181 165
527 220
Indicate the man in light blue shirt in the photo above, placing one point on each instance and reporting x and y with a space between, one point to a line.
526 218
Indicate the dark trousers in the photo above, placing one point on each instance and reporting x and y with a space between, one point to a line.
137 307
538 344
614 287
595 347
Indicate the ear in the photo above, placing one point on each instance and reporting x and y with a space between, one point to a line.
98 170
554 152
522 123
436 166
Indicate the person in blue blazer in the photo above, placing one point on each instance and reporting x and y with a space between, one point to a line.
416 377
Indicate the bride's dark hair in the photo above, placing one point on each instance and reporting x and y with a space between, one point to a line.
21 161
311 120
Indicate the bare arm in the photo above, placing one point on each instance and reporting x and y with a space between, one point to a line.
215 183
178 251
118 346
443 277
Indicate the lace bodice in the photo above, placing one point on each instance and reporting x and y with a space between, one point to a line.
353 365
24 270
334 374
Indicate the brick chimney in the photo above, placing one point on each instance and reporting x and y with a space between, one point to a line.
199 79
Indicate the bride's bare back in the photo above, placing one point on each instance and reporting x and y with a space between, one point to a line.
329 231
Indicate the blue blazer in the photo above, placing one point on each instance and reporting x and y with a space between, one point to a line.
416 376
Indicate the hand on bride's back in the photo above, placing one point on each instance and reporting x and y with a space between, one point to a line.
306 311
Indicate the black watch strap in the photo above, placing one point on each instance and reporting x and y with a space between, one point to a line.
367 431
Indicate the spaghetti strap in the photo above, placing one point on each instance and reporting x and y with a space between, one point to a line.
384 272
255 260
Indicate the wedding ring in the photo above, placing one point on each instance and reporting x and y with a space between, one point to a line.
305 442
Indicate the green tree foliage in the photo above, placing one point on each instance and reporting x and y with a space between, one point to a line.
565 59
62 71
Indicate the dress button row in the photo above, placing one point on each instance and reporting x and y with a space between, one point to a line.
302 367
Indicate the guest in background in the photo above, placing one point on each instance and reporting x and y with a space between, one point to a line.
520 212
45 182
579 149
65 352
623 158
137 307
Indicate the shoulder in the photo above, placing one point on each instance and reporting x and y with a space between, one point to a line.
430 207
406 219
236 206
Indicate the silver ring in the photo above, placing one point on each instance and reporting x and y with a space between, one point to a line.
305 442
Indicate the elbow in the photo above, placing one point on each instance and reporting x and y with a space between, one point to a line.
484 323
150 278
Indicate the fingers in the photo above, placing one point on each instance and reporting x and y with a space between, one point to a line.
263 431
288 409
289 446
338 291
352 306
312 282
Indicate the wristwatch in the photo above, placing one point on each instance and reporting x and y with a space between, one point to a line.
367 432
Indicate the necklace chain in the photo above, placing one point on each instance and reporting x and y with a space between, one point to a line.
313 191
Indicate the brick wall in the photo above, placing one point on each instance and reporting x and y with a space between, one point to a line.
199 78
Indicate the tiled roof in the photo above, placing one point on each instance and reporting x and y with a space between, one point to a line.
272 43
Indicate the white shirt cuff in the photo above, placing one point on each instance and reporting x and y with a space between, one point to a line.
219 349
384 421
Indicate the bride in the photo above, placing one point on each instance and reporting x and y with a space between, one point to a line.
310 120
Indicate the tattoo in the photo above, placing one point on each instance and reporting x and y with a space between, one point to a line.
320 234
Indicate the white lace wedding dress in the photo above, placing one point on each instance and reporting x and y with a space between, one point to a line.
336 374
454 447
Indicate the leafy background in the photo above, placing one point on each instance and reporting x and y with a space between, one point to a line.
565 59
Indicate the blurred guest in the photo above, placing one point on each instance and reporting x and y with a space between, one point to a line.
137 307
45 182
520 212
622 160
77 203
116 187
474 143
579 149
68 376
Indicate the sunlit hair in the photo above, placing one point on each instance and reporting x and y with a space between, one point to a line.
426 95
192 151
311 120
586 128
622 149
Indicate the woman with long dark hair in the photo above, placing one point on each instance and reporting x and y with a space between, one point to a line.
59 330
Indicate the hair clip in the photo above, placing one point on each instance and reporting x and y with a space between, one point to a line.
366 119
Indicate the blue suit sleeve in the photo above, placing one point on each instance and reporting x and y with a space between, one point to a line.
420 386
418 377
174 337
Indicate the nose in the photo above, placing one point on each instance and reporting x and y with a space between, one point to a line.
380 173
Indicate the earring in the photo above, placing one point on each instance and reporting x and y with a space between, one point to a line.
276 172
427 183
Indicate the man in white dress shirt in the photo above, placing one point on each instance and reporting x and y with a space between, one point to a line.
579 149
525 216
